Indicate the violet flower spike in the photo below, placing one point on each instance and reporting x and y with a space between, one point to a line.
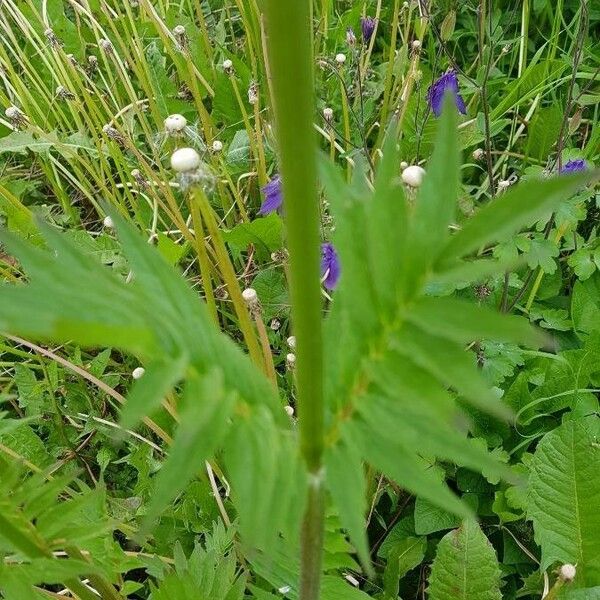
448 82
330 266
576 165
367 24
273 196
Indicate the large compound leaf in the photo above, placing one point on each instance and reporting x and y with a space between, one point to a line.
465 566
564 496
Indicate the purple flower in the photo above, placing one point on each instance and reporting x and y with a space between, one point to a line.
367 24
330 265
273 196
448 82
573 166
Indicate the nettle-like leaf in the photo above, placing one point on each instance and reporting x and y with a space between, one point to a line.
159 318
465 566
563 498
397 356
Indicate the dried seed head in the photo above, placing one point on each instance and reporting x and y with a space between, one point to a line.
217 146
52 39
138 372
106 46
340 58
184 93
115 135
92 65
16 117
413 176
228 66
290 361
252 302
64 94
175 125
567 573
275 324
185 160
139 178
181 37
328 114
478 154
503 184
253 93
108 222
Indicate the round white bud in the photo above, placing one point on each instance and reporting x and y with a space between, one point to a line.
12 112
217 146
416 44
340 58
290 360
179 30
138 372
478 154
185 160
503 184
249 295
567 573
135 173
291 342
289 410
413 176
175 123
403 165
227 64
328 114
108 222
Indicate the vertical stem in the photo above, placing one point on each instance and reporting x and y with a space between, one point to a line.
290 55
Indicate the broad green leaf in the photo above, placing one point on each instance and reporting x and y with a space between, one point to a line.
507 214
465 566
429 518
464 322
585 305
148 392
204 421
265 233
403 556
563 495
347 487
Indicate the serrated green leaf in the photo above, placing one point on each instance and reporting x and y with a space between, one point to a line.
563 498
507 214
465 566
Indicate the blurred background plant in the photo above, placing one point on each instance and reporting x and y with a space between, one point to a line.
96 98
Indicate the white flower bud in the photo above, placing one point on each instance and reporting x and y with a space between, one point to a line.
284 589
416 44
228 66
291 342
106 45
12 112
251 299
217 146
403 165
567 573
108 222
413 176
289 410
138 372
184 160
478 154
175 124
340 58
503 184
290 361
328 114
179 30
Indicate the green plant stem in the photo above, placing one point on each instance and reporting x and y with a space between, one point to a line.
290 55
